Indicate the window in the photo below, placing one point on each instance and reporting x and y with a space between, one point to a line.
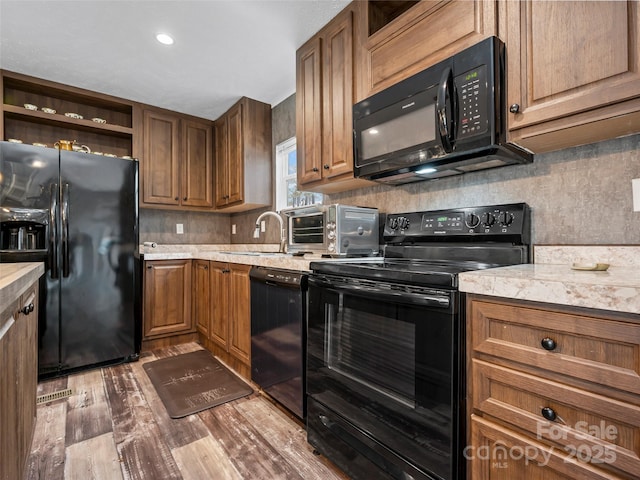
287 193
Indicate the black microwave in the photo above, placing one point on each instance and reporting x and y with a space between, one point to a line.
446 120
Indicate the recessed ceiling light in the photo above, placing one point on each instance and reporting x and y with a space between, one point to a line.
164 39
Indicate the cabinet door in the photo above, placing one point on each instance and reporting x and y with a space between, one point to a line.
309 111
240 313
570 64
197 166
235 168
161 159
222 161
422 36
219 288
337 86
201 296
9 380
167 297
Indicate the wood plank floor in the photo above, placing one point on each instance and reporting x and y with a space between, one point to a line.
114 426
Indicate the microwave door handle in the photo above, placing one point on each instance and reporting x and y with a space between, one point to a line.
447 123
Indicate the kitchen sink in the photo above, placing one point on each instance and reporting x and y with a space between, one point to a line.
256 254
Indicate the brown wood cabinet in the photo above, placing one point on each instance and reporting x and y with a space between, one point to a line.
177 161
573 71
167 299
324 101
201 298
421 36
229 325
18 382
243 157
554 391
114 136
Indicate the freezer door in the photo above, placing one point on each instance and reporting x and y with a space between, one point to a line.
98 240
29 178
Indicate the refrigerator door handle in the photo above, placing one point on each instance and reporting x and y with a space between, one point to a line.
53 230
65 230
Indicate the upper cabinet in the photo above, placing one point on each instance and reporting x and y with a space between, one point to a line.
37 111
177 161
324 100
573 71
401 38
243 157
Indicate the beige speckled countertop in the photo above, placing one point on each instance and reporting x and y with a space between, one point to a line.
616 289
225 253
15 278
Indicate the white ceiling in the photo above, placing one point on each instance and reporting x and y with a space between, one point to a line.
223 49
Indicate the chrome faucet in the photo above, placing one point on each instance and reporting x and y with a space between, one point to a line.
283 232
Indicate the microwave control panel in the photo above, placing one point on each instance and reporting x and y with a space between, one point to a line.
472 102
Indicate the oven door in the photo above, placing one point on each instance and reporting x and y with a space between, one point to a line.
383 378
306 232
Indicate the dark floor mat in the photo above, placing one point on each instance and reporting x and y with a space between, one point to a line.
192 382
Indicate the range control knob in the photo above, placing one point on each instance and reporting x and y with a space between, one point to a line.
505 219
393 223
488 219
403 223
472 220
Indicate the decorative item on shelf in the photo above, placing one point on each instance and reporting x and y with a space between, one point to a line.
14 140
30 106
127 157
48 110
64 144
110 155
98 120
81 148
97 153
37 144
73 115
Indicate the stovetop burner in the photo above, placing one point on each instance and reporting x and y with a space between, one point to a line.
432 248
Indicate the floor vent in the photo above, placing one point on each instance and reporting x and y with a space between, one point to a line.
50 397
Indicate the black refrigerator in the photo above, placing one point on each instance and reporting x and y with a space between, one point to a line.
78 212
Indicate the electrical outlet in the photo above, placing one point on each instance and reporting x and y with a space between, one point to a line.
233 229
263 226
635 189
179 228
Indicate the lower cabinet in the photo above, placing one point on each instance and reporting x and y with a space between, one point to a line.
18 382
167 316
228 331
554 392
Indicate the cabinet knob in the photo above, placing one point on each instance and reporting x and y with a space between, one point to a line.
325 166
149 267
225 270
177 198
548 344
549 414
206 267
27 309
184 199
315 169
515 108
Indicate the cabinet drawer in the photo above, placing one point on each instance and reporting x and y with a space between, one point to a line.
587 426
501 454
582 348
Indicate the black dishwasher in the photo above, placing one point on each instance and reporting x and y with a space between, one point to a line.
278 335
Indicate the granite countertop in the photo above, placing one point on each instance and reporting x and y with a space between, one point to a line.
15 279
236 253
616 289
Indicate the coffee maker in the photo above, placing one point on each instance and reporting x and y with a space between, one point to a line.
23 229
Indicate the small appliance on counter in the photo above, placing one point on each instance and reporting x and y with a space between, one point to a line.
333 230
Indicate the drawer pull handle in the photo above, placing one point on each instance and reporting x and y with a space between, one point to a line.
27 309
549 414
548 344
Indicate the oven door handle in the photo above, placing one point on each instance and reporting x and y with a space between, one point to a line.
384 294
